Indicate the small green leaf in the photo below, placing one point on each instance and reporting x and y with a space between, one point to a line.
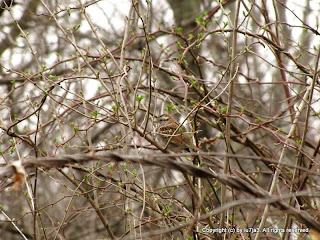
169 108
257 120
111 166
53 77
193 102
200 35
179 45
95 113
86 178
139 98
179 30
224 110
193 81
225 24
76 27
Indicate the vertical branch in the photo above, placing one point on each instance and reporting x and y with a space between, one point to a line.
128 201
228 119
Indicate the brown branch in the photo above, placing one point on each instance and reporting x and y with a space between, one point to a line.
167 161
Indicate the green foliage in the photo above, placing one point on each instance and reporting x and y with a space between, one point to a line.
169 108
179 30
95 113
139 98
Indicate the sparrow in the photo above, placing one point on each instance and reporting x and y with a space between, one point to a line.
179 139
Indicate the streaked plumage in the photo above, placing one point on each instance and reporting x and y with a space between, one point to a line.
181 140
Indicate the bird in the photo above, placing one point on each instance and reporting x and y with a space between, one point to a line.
179 139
